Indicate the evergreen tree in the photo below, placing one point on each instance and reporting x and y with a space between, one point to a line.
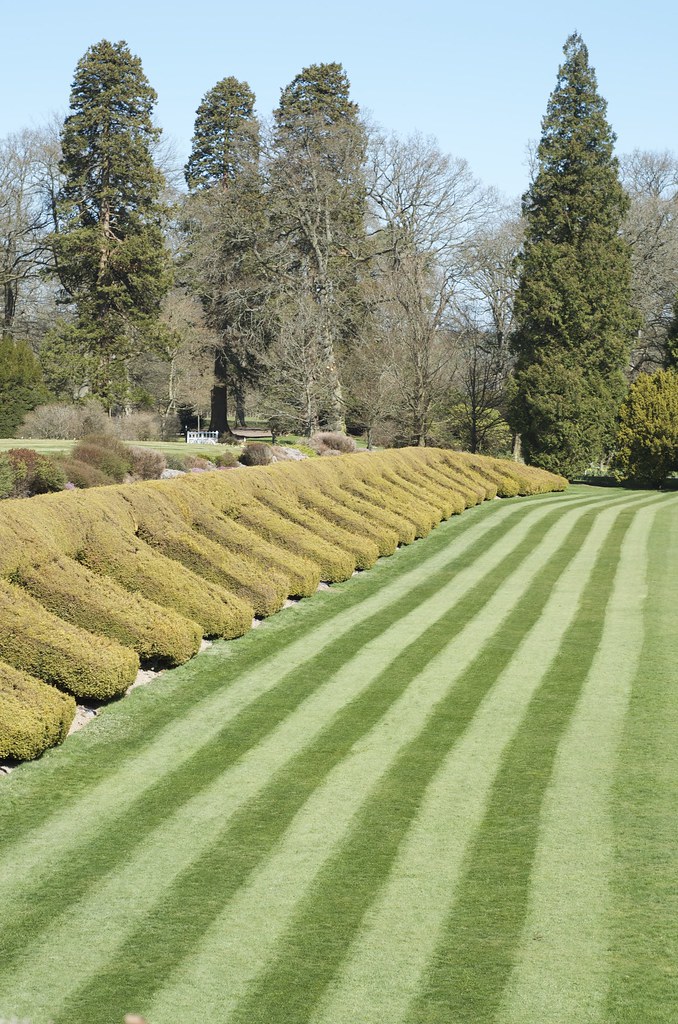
225 221
110 253
573 313
646 449
317 201
21 384
225 137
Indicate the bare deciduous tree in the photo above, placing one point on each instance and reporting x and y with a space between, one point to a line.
425 207
651 228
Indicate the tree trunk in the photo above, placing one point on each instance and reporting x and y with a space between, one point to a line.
219 395
239 392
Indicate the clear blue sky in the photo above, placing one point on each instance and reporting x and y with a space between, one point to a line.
476 75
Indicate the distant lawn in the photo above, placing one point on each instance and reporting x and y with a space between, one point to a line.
48 446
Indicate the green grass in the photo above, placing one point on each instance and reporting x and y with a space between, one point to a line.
49 447
443 791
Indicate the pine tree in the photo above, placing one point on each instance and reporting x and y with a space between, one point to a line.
225 137
109 250
21 384
318 200
225 221
573 313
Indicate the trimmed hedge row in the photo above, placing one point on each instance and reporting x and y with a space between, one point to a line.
90 582
77 595
36 641
33 716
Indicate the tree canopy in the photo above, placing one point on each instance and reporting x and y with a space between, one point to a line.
574 320
110 253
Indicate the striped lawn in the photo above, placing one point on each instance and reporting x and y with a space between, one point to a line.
444 791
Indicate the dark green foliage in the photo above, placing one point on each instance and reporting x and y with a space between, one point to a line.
317 202
225 223
21 384
672 341
573 313
111 257
225 136
646 450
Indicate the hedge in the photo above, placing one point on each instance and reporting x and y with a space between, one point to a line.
36 641
33 716
78 595
92 581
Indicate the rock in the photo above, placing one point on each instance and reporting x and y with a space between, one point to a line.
169 474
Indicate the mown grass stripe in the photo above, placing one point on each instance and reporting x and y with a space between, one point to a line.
250 836
171 710
644 927
563 962
466 979
224 743
237 948
330 915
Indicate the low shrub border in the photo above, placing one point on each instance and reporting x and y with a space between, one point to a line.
92 581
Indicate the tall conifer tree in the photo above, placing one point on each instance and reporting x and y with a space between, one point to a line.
573 313
225 220
318 201
111 257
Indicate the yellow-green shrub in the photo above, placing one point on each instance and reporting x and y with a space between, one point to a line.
34 640
385 495
33 715
138 568
301 575
207 507
335 508
78 595
167 527
334 564
363 550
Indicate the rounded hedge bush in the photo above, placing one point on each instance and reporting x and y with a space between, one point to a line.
36 641
33 715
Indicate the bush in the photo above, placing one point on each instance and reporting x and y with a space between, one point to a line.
332 442
34 640
153 566
81 474
107 454
226 460
147 464
137 426
21 383
197 462
77 595
33 715
7 477
646 449
34 473
175 461
256 454
66 421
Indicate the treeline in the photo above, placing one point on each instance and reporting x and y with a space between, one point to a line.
319 272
